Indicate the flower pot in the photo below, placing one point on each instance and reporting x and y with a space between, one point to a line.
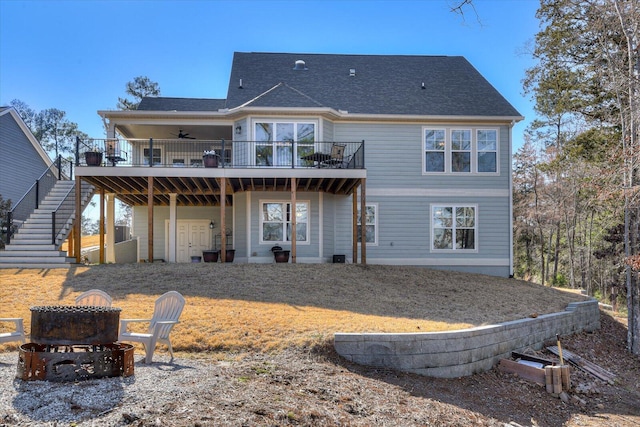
93 158
281 256
210 161
196 258
229 255
210 256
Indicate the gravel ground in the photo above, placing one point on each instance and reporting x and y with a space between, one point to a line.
314 387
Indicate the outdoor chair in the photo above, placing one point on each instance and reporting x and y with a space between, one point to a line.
166 313
336 158
15 335
94 297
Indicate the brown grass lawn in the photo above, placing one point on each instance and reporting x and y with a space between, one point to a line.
252 307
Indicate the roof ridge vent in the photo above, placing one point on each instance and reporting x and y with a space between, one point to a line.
300 65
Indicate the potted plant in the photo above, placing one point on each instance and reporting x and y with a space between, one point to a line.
93 156
229 255
210 255
279 254
210 159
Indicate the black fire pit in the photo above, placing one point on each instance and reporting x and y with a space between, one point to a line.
74 343
68 325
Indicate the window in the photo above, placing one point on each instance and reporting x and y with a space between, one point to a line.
460 150
277 144
454 227
371 224
434 146
157 156
275 222
487 150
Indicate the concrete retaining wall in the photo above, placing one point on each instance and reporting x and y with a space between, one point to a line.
455 354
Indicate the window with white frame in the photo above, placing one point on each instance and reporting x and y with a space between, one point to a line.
281 143
460 150
453 227
371 224
275 222
487 150
434 146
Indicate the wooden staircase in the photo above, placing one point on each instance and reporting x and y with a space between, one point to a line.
32 245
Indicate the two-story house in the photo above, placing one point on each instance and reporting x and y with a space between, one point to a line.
300 144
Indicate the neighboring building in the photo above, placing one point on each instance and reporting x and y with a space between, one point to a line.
425 141
22 159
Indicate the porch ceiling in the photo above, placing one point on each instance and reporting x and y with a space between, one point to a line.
205 191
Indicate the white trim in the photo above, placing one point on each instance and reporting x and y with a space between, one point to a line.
338 115
455 262
439 192
511 256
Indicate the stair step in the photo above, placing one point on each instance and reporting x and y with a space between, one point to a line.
28 253
27 247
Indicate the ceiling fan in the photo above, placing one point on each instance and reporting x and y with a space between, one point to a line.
181 135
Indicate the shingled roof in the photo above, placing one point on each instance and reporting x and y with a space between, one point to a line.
366 84
358 84
180 104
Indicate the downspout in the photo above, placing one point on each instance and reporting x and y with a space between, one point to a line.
511 199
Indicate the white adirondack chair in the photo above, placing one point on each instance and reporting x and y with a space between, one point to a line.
94 297
14 335
165 315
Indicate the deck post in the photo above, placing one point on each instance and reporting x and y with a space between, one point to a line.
78 223
294 222
150 215
354 224
223 219
101 228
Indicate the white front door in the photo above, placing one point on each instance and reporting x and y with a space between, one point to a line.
193 238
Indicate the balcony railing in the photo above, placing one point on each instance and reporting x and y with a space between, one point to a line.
187 153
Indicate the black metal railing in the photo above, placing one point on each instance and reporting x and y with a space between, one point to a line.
31 200
61 215
189 153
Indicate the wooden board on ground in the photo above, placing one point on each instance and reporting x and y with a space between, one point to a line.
525 371
585 365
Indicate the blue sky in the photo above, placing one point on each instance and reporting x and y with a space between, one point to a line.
78 55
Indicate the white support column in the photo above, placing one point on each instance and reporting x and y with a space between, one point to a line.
173 221
111 228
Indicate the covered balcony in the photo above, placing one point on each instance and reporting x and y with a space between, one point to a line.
189 172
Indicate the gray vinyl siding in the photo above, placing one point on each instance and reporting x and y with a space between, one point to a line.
311 250
394 153
327 129
20 163
160 215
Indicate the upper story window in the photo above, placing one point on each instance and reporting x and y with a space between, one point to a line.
281 143
434 145
460 150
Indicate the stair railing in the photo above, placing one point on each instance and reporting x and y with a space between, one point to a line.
31 200
61 214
